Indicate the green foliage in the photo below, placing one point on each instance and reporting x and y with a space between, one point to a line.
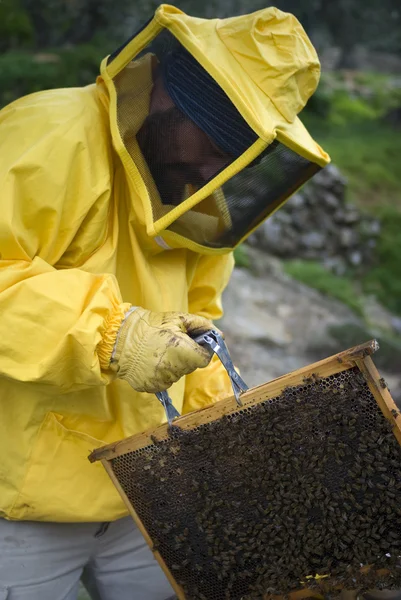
60 22
384 279
16 28
367 152
344 99
346 108
241 257
380 90
320 104
315 275
345 23
347 120
23 73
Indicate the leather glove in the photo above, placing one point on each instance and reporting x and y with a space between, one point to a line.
153 350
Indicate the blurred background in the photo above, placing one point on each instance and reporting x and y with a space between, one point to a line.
324 273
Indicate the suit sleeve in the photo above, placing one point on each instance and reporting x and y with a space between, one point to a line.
205 386
57 325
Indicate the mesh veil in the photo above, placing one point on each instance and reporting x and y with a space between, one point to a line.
176 159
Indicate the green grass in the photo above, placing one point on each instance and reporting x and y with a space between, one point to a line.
22 72
384 278
368 153
350 126
315 275
367 150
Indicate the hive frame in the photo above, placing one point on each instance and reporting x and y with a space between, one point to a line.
357 356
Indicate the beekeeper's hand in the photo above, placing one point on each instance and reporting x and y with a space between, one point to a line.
153 350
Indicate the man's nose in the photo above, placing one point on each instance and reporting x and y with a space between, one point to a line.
210 167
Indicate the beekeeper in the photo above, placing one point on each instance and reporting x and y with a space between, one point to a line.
121 203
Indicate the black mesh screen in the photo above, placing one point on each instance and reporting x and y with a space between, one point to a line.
180 156
250 196
176 156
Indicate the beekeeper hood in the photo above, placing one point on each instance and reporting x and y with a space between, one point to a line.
204 116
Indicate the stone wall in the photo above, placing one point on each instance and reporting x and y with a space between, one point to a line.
317 223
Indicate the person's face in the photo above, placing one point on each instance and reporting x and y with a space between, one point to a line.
178 153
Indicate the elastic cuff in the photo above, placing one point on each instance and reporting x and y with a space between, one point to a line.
112 326
127 314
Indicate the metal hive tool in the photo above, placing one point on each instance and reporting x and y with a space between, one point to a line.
297 489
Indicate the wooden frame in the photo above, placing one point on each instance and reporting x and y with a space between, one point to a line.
358 356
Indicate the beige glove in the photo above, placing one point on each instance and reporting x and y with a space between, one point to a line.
153 350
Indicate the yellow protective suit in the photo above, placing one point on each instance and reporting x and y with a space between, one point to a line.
83 235
73 249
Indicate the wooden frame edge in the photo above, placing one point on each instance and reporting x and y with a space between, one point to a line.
382 395
177 589
323 368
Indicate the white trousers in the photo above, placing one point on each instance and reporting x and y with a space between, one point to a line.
45 561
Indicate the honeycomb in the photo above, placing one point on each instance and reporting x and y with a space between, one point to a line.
266 498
